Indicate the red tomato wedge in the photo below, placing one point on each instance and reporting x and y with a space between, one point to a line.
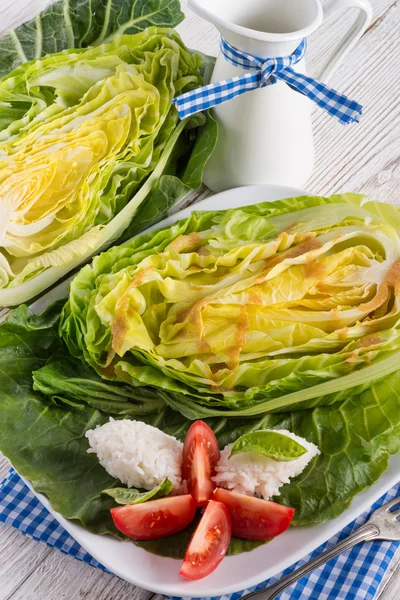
209 543
156 518
200 455
254 518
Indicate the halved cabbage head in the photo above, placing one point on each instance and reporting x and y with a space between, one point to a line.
84 137
239 312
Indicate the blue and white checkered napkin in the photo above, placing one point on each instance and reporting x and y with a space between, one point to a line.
354 575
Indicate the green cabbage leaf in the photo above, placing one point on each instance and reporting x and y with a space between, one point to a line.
91 145
81 23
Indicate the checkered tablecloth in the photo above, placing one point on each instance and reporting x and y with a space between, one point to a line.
354 575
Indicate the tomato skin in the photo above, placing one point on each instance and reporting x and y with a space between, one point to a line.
254 518
155 519
209 542
200 456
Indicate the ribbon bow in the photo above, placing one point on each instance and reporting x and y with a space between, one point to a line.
265 72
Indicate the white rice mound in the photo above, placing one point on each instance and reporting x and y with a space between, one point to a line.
139 455
253 473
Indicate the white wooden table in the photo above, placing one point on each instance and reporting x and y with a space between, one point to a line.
361 158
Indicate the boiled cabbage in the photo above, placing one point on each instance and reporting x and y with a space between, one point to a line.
276 306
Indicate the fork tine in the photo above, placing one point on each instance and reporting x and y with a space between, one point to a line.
391 503
395 513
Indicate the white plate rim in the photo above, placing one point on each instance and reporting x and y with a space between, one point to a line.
319 533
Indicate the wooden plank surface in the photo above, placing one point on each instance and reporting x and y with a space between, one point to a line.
363 158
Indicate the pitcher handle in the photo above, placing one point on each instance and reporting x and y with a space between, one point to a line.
331 7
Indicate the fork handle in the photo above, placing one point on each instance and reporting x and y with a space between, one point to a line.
364 533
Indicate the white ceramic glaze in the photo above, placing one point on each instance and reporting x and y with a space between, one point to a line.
235 573
265 136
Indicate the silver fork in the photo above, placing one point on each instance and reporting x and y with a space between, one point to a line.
382 525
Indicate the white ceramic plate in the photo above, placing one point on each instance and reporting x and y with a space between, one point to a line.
235 572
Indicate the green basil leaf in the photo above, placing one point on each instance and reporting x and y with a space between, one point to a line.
278 446
133 496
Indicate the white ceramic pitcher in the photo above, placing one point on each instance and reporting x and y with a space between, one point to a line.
265 136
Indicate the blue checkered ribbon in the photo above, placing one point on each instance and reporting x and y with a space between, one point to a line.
354 575
265 72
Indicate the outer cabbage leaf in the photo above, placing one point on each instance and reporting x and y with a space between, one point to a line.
47 445
69 381
96 137
81 23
